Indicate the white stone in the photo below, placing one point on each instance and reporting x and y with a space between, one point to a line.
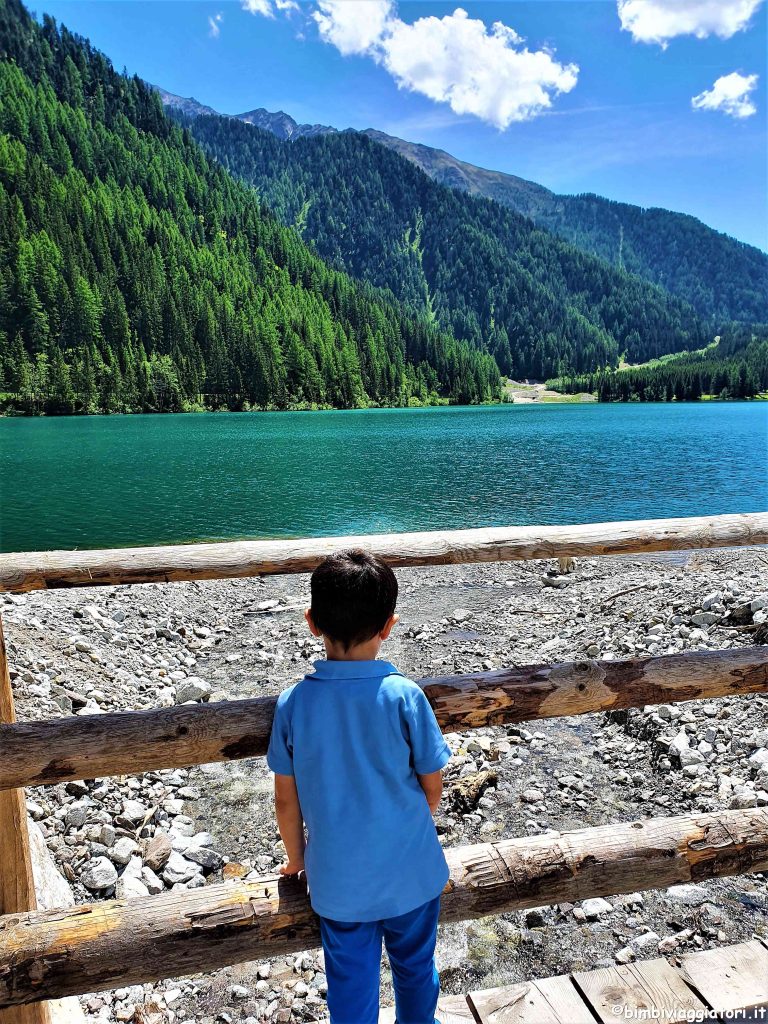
123 850
192 689
178 869
153 883
645 942
593 908
133 810
99 874
680 743
128 887
688 895
690 757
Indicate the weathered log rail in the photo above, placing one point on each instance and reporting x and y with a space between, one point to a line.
87 747
44 955
129 942
41 570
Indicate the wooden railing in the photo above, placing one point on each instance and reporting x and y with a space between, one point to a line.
48 570
48 954
93 746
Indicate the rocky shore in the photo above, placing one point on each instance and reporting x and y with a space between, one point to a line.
94 651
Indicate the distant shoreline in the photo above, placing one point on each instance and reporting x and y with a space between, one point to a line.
547 398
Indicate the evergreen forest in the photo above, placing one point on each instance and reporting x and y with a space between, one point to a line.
488 275
136 274
736 367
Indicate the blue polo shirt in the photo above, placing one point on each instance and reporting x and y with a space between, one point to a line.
355 734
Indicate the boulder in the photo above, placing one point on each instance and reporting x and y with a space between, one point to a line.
687 895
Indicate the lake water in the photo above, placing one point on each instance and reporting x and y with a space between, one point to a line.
128 480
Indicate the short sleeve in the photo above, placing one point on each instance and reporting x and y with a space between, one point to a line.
280 752
430 751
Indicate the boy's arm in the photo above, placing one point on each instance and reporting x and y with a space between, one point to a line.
290 822
432 785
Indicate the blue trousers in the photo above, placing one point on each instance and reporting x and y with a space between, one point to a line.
353 966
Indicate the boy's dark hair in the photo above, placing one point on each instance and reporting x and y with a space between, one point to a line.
353 595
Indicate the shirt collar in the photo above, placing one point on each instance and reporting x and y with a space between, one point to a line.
352 669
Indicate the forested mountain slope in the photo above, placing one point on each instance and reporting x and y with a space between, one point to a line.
136 273
736 367
718 275
538 305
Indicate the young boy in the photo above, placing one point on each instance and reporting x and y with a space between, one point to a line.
357 756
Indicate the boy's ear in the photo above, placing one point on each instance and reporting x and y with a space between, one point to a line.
312 627
388 626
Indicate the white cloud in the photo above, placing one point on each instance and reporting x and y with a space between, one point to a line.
354 26
268 7
454 59
457 60
658 21
730 93
214 25
259 7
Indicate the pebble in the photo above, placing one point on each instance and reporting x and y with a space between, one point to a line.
192 689
178 869
99 873
123 850
134 810
157 852
532 796
594 908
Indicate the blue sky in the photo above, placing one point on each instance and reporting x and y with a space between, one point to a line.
592 107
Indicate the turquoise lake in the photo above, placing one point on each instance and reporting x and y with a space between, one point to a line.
83 482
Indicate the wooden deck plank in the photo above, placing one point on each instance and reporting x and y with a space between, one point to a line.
450 1010
454 1010
547 1001
563 996
645 985
512 1004
730 978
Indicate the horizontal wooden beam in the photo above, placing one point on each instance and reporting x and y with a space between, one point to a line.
40 570
92 746
130 942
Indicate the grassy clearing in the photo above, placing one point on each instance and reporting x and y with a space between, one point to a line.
669 358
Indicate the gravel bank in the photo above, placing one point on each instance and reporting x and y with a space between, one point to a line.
93 651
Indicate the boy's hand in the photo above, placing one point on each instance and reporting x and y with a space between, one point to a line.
293 867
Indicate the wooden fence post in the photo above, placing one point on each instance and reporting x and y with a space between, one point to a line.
17 884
